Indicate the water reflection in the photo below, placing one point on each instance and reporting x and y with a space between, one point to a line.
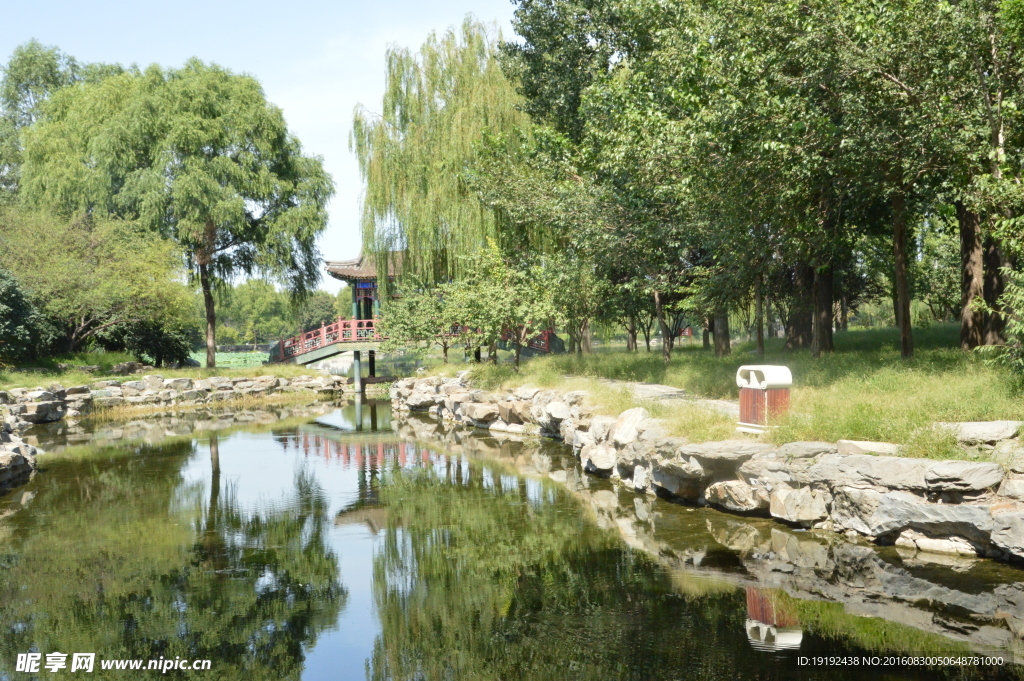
339 544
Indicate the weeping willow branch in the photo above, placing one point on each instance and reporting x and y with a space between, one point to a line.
438 106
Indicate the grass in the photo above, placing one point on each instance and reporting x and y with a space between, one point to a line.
46 372
863 391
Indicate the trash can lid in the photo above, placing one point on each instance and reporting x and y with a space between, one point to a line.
763 376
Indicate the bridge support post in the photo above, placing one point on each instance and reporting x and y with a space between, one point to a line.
359 411
357 372
373 362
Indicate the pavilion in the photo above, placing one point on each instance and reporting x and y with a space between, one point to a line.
361 276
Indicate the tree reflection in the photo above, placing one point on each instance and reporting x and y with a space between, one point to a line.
111 573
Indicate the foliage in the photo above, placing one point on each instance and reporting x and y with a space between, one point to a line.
421 318
105 274
320 308
439 104
18 320
196 154
257 312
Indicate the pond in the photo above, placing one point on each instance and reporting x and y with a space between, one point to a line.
329 542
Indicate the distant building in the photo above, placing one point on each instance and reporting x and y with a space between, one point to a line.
361 276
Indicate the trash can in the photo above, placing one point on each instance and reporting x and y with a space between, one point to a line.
764 394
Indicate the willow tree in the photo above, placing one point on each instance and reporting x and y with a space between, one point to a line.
197 154
440 104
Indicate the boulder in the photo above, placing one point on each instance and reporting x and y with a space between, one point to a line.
975 432
106 402
875 514
626 428
43 412
77 390
600 458
419 401
178 384
481 412
922 542
155 382
1008 533
804 505
866 447
574 398
601 427
675 481
641 478
40 396
963 476
724 451
1012 488
735 495
806 450
526 393
557 410
508 413
1009 454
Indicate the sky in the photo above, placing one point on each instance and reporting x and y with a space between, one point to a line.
316 60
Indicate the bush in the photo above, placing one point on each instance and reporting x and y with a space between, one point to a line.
18 320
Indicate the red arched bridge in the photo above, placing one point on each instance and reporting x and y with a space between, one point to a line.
354 335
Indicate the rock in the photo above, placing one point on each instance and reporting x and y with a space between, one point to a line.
508 413
803 506
601 427
154 382
126 368
1012 488
105 402
5 397
600 458
626 428
178 384
865 447
974 432
1008 533
43 412
77 390
419 401
953 545
892 472
1010 454
806 450
963 476
875 514
865 470
526 393
641 478
40 396
724 451
557 410
674 480
481 412
574 398
735 495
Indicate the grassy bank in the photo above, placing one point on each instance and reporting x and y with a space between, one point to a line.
46 372
862 391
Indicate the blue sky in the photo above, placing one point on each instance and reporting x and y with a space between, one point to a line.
317 60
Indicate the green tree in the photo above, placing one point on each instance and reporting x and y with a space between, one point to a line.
17 319
316 310
105 274
439 104
420 317
197 154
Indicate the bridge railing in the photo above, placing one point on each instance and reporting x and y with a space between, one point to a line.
341 331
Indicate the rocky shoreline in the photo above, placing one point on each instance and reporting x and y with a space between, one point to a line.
973 508
962 599
22 408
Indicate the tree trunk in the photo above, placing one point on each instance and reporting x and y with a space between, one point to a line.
759 316
211 317
519 349
822 327
723 346
631 335
799 323
972 277
705 335
844 314
666 335
444 352
994 286
899 248
492 353
586 338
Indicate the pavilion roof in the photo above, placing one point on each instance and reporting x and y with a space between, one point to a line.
363 267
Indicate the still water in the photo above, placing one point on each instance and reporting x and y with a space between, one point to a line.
331 543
